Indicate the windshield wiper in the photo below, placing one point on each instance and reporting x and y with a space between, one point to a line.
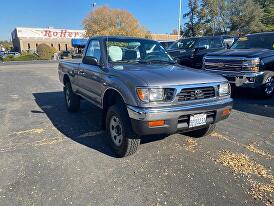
160 61
131 61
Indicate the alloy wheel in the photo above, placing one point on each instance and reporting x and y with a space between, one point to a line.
269 86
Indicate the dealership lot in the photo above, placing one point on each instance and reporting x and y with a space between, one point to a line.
51 157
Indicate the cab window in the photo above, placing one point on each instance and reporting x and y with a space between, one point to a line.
94 50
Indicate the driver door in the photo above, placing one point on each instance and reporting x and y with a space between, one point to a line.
90 76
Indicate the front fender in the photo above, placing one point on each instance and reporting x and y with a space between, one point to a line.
127 91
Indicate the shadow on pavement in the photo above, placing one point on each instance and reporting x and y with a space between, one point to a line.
246 100
83 127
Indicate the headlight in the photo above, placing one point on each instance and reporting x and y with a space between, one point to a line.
252 64
155 94
224 89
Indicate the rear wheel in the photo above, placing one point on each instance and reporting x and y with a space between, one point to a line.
202 132
123 140
72 100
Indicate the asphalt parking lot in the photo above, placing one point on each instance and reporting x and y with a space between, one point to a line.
52 157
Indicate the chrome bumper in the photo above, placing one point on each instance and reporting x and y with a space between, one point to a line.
151 114
242 79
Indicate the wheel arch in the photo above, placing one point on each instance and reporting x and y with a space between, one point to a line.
111 96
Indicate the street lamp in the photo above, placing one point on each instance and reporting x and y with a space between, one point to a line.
179 19
93 6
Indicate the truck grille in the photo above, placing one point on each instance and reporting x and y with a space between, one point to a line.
223 64
196 93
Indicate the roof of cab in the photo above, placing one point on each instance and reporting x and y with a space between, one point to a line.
119 37
261 33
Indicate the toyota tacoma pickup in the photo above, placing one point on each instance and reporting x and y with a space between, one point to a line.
249 63
142 91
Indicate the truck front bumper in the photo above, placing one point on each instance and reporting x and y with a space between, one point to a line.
176 118
243 79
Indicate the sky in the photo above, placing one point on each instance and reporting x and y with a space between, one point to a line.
158 16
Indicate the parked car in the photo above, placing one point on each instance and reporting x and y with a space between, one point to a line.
65 55
166 43
228 40
249 63
13 53
143 92
76 56
190 51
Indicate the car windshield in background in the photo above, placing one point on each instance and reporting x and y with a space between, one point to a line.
255 41
135 50
183 44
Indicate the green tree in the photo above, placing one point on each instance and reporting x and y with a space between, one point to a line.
107 21
245 17
45 52
268 16
215 15
193 24
6 44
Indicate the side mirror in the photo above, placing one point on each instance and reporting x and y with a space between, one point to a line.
90 60
203 47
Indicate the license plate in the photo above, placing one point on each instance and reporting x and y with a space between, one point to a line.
197 120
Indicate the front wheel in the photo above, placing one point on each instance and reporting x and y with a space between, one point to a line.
267 90
202 132
123 140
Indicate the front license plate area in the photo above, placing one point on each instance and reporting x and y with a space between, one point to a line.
197 120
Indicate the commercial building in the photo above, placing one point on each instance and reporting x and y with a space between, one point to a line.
27 39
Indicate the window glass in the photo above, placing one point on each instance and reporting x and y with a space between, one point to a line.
93 49
183 44
135 50
203 42
255 41
215 43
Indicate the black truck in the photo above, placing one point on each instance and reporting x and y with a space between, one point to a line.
249 63
190 51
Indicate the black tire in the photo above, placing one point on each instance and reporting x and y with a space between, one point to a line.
202 132
130 141
267 89
72 100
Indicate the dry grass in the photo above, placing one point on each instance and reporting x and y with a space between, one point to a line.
191 145
241 163
252 148
31 131
48 141
260 191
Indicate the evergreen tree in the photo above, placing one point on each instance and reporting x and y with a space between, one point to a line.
245 17
193 25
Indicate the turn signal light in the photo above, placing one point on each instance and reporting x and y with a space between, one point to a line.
157 123
226 112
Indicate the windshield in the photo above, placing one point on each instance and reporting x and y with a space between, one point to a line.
136 50
183 44
255 41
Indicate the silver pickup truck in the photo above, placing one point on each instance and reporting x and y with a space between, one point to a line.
142 91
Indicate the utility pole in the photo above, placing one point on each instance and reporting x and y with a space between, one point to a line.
93 6
179 19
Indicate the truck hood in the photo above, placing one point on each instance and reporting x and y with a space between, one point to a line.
249 53
165 75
